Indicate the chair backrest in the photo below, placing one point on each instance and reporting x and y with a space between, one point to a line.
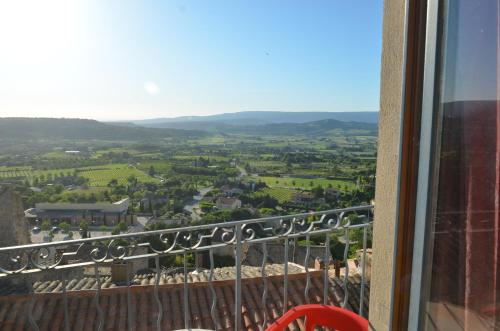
322 315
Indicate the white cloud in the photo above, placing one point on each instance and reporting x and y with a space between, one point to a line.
151 88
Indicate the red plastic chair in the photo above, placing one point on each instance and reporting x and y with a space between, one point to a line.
332 317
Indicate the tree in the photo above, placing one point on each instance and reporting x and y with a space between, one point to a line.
84 225
84 228
103 228
152 171
45 225
206 206
113 182
58 188
240 214
92 197
132 180
122 226
65 227
318 192
267 212
336 248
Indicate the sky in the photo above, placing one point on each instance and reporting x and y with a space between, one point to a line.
137 59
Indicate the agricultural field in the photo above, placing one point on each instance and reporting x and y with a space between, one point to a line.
280 194
98 176
101 175
195 157
59 155
14 173
161 167
27 172
304 183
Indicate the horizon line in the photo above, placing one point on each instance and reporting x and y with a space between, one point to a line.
187 116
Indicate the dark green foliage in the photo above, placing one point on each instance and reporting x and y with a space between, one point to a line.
260 201
25 129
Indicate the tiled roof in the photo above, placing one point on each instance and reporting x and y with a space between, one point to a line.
148 278
48 308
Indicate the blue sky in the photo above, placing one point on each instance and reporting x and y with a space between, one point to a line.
130 59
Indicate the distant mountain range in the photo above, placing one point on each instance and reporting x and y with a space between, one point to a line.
268 123
264 117
251 123
17 128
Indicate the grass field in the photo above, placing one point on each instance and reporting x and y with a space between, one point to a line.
280 194
98 176
102 175
304 183
159 166
89 190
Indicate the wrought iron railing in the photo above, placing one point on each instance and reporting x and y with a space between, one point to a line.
99 251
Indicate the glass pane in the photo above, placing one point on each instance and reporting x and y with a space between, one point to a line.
463 285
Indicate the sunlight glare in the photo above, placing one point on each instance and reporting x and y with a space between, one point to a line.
37 32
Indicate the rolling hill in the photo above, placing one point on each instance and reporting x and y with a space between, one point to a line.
262 117
23 129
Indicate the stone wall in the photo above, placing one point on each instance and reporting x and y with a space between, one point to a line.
14 227
14 231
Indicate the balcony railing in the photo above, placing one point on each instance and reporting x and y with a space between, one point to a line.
200 240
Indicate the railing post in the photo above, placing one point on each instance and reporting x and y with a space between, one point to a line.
237 289
326 264
97 298
363 266
31 318
212 290
285 277
346 272
264 280
130 312
186 294
65 301
157 294
306 267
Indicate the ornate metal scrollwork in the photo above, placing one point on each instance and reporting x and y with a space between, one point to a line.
102 249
